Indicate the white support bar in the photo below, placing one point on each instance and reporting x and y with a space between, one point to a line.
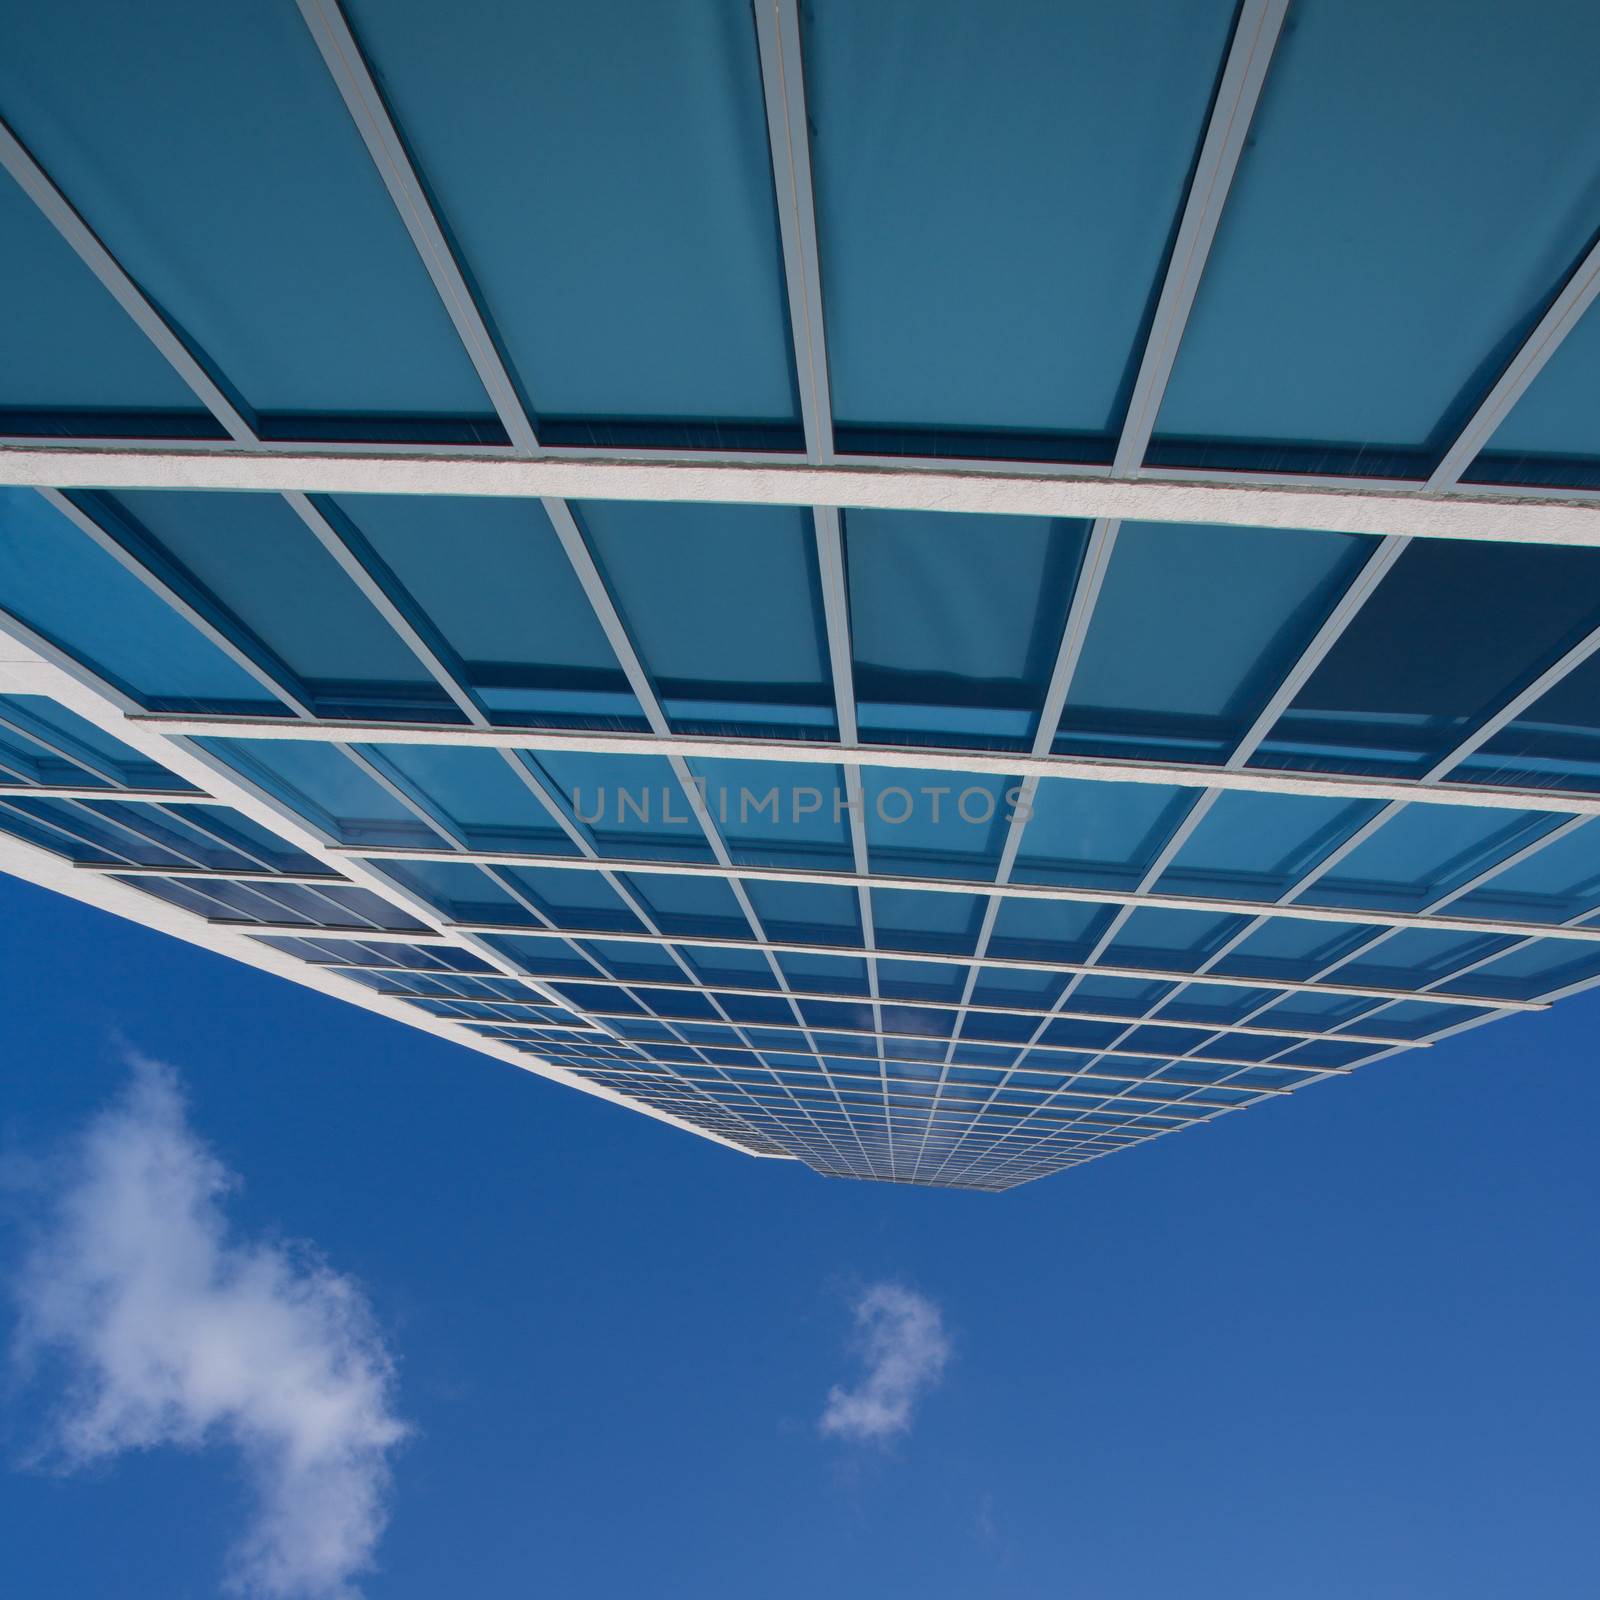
1087 769
1502 517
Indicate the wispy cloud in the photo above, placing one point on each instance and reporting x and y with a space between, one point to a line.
904 1351
173 1331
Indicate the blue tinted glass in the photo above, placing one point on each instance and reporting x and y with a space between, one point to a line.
1450 635
1254 846
630 260
58 582
955 623
1423 853
492 577
1556 883
1416 956
478 794
722 604
1541 969
932 824
1560 413
806 913
1155 937
1416 1019
1554 744
1003 319
779 813
463 892
67 748
921 980
296 274
703 907
1194 629
1097 834
1381 252
908 919
1218 1003
266 566
574 898
1046 930
327 788
76 349
1285 947
631 806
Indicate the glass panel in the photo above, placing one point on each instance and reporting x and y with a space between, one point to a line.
1298 951
478 793
631 263
1154 937
61 584
493 579
1381 253
575 898
1554 744
54 741
919 825
1453 631
76 350
1424 853
327 789
722 604
1418 956
1194 631
703 907
806 913
1002 322
908 919
1047 930
1256 846
779 813
1540 969
921 980
266 567
295 273
463 892
1556 423
955 622
1100 835
1555 884
631 806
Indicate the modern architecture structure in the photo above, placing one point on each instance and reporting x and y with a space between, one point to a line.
939 589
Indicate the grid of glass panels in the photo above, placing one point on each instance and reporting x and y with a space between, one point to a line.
998 937
665 273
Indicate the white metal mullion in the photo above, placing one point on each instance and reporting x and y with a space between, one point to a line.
364 101
789 140
1244 72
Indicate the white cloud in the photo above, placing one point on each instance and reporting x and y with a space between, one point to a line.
172 1331
904 1351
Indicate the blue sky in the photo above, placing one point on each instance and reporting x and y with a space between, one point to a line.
1342 1345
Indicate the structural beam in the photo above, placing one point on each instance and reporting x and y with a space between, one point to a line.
1362 508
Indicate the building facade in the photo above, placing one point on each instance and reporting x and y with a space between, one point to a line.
936 590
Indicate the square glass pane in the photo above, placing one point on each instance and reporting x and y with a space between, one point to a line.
55 580
1194 631
491 578
723 606
933 824
1556 883
1047 930
296 276
1097 835
956 622
1250 846
779 813
910 919
631 807
266 567
1553 744
632 272
963 338
1381 253
1451 634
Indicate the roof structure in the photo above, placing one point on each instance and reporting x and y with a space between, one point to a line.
934 589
